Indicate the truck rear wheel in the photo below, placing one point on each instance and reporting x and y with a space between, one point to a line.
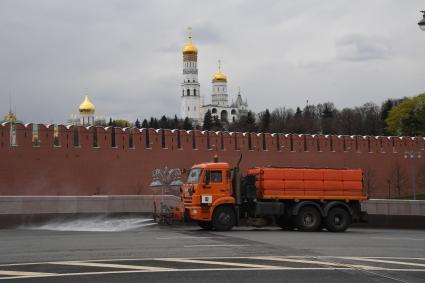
337 220
223 218
206 225
308 219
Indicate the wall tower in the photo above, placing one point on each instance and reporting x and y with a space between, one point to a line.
190 94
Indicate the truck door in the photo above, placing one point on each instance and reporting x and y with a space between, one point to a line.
217 186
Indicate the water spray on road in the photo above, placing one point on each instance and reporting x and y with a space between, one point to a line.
94 224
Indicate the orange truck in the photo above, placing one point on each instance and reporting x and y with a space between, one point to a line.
219 197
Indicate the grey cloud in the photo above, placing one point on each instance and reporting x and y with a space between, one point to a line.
362 48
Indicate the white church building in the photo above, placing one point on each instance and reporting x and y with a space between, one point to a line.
192 102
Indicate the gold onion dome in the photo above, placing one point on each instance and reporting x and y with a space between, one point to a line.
190 48
10 117
219 77
87 107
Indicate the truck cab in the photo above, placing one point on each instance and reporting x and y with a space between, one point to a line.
208 186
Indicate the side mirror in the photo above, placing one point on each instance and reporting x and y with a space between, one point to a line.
207 177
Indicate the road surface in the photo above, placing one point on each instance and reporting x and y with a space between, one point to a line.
187 254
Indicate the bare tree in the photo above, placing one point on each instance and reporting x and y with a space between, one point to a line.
399 177
369 180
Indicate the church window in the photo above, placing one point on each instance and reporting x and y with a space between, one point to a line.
233 112
194 92
188 108
183 92
188 92
214 111
193 81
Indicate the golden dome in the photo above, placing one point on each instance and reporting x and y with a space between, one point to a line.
10 117
87 107
219 77
190 48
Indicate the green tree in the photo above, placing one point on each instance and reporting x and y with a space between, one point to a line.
163 123
187 125
137 124
121 123
264 121
145 124
176 122
216 124
207 125
408 118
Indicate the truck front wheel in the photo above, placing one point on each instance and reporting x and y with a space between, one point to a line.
337 220
223 218
308 219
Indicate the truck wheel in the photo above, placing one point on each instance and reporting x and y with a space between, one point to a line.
206 225
223 218
285 222
337 220
308 219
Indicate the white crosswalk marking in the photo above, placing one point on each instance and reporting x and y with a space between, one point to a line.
319 263
109 265
199 264
223 263
23 273
384 261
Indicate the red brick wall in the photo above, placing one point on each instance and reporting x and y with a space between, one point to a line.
86 170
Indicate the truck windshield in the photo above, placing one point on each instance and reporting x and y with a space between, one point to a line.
194 174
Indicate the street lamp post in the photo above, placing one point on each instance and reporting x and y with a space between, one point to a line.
421 23
413 155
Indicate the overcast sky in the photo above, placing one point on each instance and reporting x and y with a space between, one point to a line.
281 53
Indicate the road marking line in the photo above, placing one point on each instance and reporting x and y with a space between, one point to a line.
185 237
229 257
219 263
394 238
109 265
320 263
195 270
214 245
23 273
385 261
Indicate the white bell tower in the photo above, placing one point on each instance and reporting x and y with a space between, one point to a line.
190 94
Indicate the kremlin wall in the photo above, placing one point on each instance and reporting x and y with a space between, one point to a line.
84 161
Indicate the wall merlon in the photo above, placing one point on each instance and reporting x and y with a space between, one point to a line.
133 138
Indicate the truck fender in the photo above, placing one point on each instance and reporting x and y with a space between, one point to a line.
224 200
298 206
332 204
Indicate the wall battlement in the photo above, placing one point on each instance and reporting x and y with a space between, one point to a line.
67 160
98 138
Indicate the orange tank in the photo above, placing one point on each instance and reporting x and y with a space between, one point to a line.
303 183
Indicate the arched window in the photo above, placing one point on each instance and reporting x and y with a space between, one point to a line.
188 92
223 116
194 92
183 92
214 111
233 112
193 81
